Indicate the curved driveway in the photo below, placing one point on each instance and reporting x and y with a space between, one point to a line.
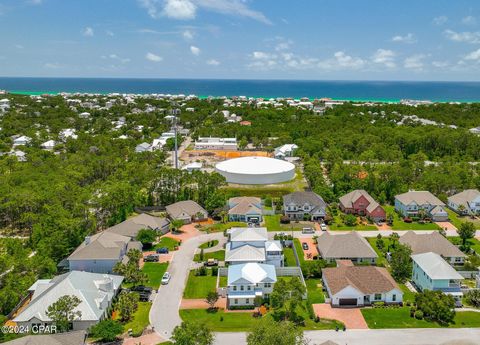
164 314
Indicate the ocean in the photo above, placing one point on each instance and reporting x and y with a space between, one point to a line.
386 91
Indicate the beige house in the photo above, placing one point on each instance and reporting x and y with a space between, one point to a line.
350 246
187 211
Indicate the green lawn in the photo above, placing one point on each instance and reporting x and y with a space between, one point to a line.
223 281
208 244
140 319
199 286
221 227
220 321
338 225
154 271
168 242
457 220
399 224
219 255
289 257
400 318
473 242
315 293
407 294
298 247
272 223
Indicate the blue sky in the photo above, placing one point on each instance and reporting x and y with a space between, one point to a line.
261 39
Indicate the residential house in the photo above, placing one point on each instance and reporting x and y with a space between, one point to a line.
252 245
133 225
19 154
68 133
226 144
194 166
353 286
359 202
143 147
247 281
466 202
188 211
245 209
67 338
413 203
287 150
99 253
84 115
48 145
475 130
304 205
95 291
434 242
21 140
432 272
348 246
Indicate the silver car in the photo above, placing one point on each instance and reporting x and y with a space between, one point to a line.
166 278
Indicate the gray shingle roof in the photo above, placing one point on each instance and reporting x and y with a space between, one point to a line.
349 245
348 199
419 197
301 198
69 338
132 226
104 245
188 207
463 198
434 242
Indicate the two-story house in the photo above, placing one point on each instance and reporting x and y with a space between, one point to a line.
252 245
413 203
247 281
466 202
304 206
432 272
245 209
361 203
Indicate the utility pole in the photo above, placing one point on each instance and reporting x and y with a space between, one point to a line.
175 112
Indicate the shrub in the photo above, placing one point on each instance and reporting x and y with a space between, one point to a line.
311 312
419 314
214 270
473 298
378 304
284 220
106 330
201 271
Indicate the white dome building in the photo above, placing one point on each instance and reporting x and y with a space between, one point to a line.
256 170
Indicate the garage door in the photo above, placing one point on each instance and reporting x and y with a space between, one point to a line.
347 301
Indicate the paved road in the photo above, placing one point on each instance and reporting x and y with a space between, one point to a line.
432 336
369 233
164 314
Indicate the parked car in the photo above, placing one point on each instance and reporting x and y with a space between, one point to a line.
211 262
323 226
162 250
151 258
305 246
141 288
308 231
166 278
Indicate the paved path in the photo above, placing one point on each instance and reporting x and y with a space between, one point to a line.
418 336
164 314
200 303
351 317
219 246
365 233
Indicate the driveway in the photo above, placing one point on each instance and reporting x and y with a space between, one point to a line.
312 248
164 314
351 317
447 226
187 231
202 304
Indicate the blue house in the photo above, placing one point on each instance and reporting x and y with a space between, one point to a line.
432 272
412 203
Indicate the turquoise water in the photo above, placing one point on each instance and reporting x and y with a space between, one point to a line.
386 91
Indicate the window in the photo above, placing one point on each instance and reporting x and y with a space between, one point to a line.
235 301
394 297
247 301
234 288
249 287
241 287
378 296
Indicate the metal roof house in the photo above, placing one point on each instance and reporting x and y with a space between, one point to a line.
95 291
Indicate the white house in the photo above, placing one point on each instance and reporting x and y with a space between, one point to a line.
84 115
252 245
68 133
432 272
353 286
143 147
194 166
21 156
247 281
48 145
95 291
227 144
475 130
466 202
21 140
287 150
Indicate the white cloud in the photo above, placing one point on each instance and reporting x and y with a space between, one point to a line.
283 45
262 55
440 20
152 57
117 58
88 32
408 38
213 62
440 64
466 36
384 57
52 65
473 56
469 20
188 35
414 62
187 9
341 60
109 33
195 50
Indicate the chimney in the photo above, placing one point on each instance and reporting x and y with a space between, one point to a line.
87 240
